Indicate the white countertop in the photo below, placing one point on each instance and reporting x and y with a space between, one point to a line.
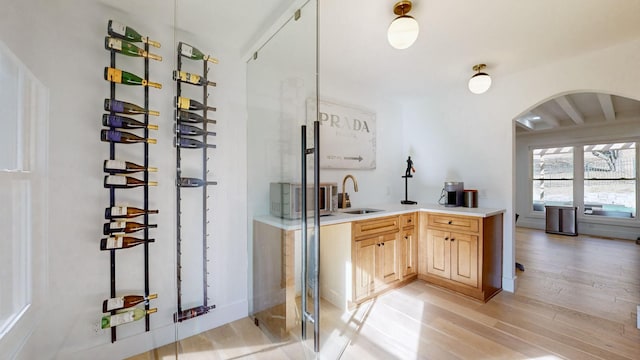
339 216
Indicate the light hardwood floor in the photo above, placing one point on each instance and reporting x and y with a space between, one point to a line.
576 299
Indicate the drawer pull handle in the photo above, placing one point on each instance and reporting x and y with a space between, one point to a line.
409 220
446 239
450 222
452 239
406 238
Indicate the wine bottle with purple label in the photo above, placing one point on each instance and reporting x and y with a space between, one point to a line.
126 108
122 122
123 137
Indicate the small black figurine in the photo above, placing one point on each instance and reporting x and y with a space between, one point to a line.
406 176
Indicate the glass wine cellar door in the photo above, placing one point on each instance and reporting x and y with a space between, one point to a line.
282 136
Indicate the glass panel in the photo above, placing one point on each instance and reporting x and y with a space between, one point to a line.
552 192
552 182
15 282
9 105
610 180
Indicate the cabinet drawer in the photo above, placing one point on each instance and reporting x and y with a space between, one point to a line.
377 226
407 220
456 223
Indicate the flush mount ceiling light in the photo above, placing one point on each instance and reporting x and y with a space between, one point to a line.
480 82
404 29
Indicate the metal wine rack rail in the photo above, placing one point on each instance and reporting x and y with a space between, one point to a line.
185 314
112 192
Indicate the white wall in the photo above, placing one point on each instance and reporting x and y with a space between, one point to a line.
457 135
623 131
61 42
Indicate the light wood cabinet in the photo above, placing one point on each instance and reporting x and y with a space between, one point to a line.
461 253
384 254
409 245
453 256
375 264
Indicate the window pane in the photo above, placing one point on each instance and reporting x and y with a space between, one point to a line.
610 180
552 192
553 163
9 104
14 249
552 182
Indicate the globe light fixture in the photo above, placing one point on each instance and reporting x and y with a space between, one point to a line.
404 29
480 82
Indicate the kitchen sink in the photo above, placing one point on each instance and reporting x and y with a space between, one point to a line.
361 211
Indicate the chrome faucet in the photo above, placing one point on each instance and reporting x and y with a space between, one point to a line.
346 203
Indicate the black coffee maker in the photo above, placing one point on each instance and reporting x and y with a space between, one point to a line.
452 194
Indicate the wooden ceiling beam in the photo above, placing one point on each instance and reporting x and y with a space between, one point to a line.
525 124
606 104
570 108
546 117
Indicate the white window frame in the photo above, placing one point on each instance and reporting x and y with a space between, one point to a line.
578 179
32 169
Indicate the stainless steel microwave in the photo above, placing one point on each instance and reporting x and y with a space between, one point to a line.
286 199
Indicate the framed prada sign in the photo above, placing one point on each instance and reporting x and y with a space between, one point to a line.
347 135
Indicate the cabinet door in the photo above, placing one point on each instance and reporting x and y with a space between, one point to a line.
438 253
409 253
387 267
464 258
364 267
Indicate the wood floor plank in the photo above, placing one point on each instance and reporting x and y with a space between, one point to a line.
576 300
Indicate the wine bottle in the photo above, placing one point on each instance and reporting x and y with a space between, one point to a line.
122 122
126 108
194 182
192 143
127 33
126 78
125 212
189 104
195 54
125 182
127 48
183 129
123 137
121 242
124 167
125 317
126 301
117 227
191 78
189 117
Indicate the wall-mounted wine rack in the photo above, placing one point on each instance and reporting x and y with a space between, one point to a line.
185 131
120 40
